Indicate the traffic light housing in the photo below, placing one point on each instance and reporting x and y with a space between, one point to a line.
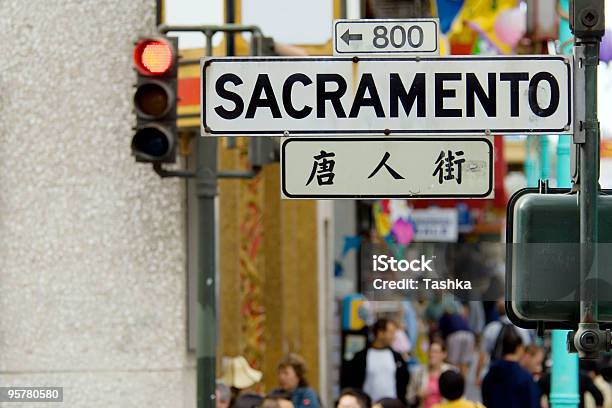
155 98
543 259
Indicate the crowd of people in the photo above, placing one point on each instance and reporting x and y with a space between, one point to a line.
495 365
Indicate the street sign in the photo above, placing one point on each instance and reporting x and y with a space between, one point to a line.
397 36
386 96
370 167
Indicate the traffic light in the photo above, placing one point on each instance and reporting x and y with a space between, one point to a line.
543 259
156 64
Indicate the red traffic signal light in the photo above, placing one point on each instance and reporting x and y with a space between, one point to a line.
155 137
154 56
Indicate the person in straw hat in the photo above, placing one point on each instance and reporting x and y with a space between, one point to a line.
241 378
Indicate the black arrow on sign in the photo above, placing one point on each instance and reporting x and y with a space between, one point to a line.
347 37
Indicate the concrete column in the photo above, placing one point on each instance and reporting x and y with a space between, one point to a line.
92 247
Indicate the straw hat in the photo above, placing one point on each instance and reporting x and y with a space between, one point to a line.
238 373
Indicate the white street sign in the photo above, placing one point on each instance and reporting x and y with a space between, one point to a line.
386 96
369 167
402 36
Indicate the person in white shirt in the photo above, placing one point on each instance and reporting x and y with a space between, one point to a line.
378 370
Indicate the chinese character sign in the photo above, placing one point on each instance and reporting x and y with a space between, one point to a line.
382 163
448 166
409 167
323 167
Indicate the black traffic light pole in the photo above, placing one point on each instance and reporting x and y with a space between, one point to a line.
587 24
206 176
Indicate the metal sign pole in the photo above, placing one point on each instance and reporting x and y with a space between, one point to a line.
589 180
587 18
206 190
206 177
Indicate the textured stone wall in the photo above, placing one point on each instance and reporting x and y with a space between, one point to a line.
92 246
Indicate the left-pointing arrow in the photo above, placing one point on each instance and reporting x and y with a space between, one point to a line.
347 37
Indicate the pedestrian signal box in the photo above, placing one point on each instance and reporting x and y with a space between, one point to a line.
543 259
